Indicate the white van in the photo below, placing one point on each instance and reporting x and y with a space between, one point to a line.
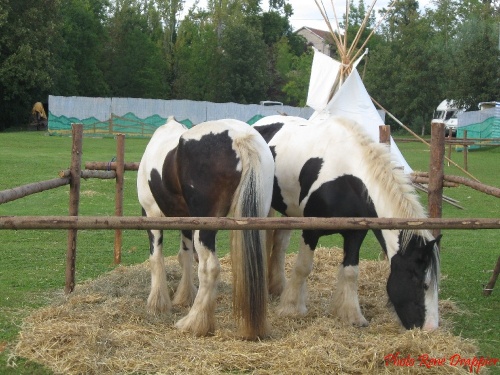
270 103
487 105
447 112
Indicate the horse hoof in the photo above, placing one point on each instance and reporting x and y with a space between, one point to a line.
158 310
276 286
159 305
198 327
275 291
184 299
360 324
292 312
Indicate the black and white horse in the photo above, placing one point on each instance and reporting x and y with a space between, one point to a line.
217 168
333 169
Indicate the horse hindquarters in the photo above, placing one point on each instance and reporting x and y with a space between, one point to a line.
226 173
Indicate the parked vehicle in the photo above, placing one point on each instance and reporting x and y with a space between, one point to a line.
270 103
447 112
487 105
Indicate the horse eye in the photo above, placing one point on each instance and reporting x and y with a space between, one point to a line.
426 286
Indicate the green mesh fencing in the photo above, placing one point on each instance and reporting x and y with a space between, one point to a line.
128 124
481 130
489 128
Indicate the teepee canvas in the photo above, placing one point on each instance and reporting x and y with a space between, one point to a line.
351 99
336 89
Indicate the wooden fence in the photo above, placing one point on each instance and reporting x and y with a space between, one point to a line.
116 169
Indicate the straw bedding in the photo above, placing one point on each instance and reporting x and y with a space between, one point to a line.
103 328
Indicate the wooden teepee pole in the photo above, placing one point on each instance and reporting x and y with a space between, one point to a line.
361 49
336 39
361 29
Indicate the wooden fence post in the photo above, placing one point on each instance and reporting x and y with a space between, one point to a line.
436 173
74 202
110 124
385 134
491 284
384 137
449 148
120 171
466 151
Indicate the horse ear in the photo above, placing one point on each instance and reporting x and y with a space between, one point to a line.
428 250
438 239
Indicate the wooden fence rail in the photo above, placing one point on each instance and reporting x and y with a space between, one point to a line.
36 187
228 223
490 190
104 175
115 170
110 166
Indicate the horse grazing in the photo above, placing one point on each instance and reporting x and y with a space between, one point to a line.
216 168
334 169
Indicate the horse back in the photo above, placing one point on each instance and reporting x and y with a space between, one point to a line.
316 168
209 165
157 189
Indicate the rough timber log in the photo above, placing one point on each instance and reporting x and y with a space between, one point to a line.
36 187
227 223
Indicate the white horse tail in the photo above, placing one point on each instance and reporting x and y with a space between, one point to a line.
252 198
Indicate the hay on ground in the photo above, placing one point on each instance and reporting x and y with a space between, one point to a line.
103 328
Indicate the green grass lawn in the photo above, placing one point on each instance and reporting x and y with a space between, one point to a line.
32 262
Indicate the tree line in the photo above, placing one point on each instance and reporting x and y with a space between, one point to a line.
235 51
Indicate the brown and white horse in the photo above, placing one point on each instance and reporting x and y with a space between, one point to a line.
215 169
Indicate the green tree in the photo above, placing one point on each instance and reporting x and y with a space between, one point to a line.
196 54
282 46
234 52
443 21
135 66
298 79
169 11
399 73
476 74
354 23
27 37
243 67
80 49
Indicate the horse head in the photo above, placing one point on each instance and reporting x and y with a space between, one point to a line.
412 285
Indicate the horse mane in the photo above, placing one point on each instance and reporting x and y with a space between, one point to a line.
389 183
386 181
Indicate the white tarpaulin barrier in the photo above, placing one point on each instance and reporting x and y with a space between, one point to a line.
142 116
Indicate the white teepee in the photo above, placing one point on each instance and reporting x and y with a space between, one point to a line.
351 100
336 89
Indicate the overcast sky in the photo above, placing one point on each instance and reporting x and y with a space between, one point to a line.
306 13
